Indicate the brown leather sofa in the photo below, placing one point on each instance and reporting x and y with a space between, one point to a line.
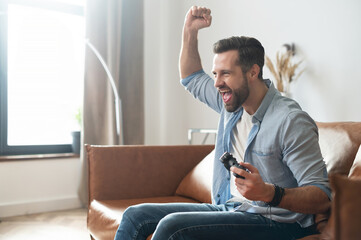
121 176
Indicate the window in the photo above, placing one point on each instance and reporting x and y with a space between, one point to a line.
42 67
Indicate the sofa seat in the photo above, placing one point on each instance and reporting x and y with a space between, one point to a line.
104 216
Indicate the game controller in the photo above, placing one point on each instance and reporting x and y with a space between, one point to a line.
229 161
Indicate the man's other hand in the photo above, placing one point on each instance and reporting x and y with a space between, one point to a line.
198 18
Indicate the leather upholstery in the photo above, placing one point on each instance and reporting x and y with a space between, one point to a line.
120 176
341 193
139 171
355 171
104 216
345 218
339 142
198 183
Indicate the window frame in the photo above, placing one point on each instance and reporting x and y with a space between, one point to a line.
5 149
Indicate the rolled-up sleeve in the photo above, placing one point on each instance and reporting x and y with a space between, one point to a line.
301 151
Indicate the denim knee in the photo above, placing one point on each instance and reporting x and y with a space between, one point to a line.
132 213
169 226
136 223
138 213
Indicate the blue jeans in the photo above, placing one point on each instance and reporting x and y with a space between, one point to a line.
188 221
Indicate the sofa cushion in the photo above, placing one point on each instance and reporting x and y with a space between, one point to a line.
355 171
339 142
345 220
104 216
197 184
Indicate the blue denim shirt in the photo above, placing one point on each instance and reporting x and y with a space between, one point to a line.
282 145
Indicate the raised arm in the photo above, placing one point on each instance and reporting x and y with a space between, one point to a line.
189 60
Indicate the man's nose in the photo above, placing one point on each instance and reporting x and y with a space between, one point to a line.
218 82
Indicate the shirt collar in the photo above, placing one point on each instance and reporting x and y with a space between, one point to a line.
261 111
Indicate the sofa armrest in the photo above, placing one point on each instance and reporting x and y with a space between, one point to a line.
126 172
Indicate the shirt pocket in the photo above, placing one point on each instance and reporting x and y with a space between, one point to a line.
269 164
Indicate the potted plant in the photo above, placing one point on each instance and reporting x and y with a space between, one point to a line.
76 134
284 71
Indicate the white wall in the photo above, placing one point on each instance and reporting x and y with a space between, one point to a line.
327 35
33 186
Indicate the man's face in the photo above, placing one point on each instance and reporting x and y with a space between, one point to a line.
229 80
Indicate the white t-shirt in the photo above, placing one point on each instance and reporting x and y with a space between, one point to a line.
239 144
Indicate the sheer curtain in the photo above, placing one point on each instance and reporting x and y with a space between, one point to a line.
115 28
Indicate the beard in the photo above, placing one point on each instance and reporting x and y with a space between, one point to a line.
239 96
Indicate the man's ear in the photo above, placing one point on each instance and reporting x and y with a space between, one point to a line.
253 72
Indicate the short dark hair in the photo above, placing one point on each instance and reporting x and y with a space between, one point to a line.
250 51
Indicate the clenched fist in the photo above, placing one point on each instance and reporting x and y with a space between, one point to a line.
198 18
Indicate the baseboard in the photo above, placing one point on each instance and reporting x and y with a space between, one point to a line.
24 208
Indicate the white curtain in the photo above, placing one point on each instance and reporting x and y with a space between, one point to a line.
115 28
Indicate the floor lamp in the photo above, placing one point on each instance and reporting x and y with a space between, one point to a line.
118 103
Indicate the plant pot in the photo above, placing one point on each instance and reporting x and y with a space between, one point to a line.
76 142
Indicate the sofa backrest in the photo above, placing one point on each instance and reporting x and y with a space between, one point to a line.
130 171
339 143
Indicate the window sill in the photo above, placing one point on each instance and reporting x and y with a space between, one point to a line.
38 156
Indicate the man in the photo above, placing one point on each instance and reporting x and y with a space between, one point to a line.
285 180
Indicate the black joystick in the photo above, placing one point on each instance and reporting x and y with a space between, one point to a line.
229 161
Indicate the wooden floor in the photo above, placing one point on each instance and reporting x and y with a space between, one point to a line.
70 224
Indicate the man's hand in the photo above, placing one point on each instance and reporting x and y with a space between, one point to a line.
307 199
189 60
253 187
197 18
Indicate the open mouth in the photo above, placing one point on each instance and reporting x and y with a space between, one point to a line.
226 96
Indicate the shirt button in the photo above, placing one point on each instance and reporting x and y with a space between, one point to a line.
218 195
